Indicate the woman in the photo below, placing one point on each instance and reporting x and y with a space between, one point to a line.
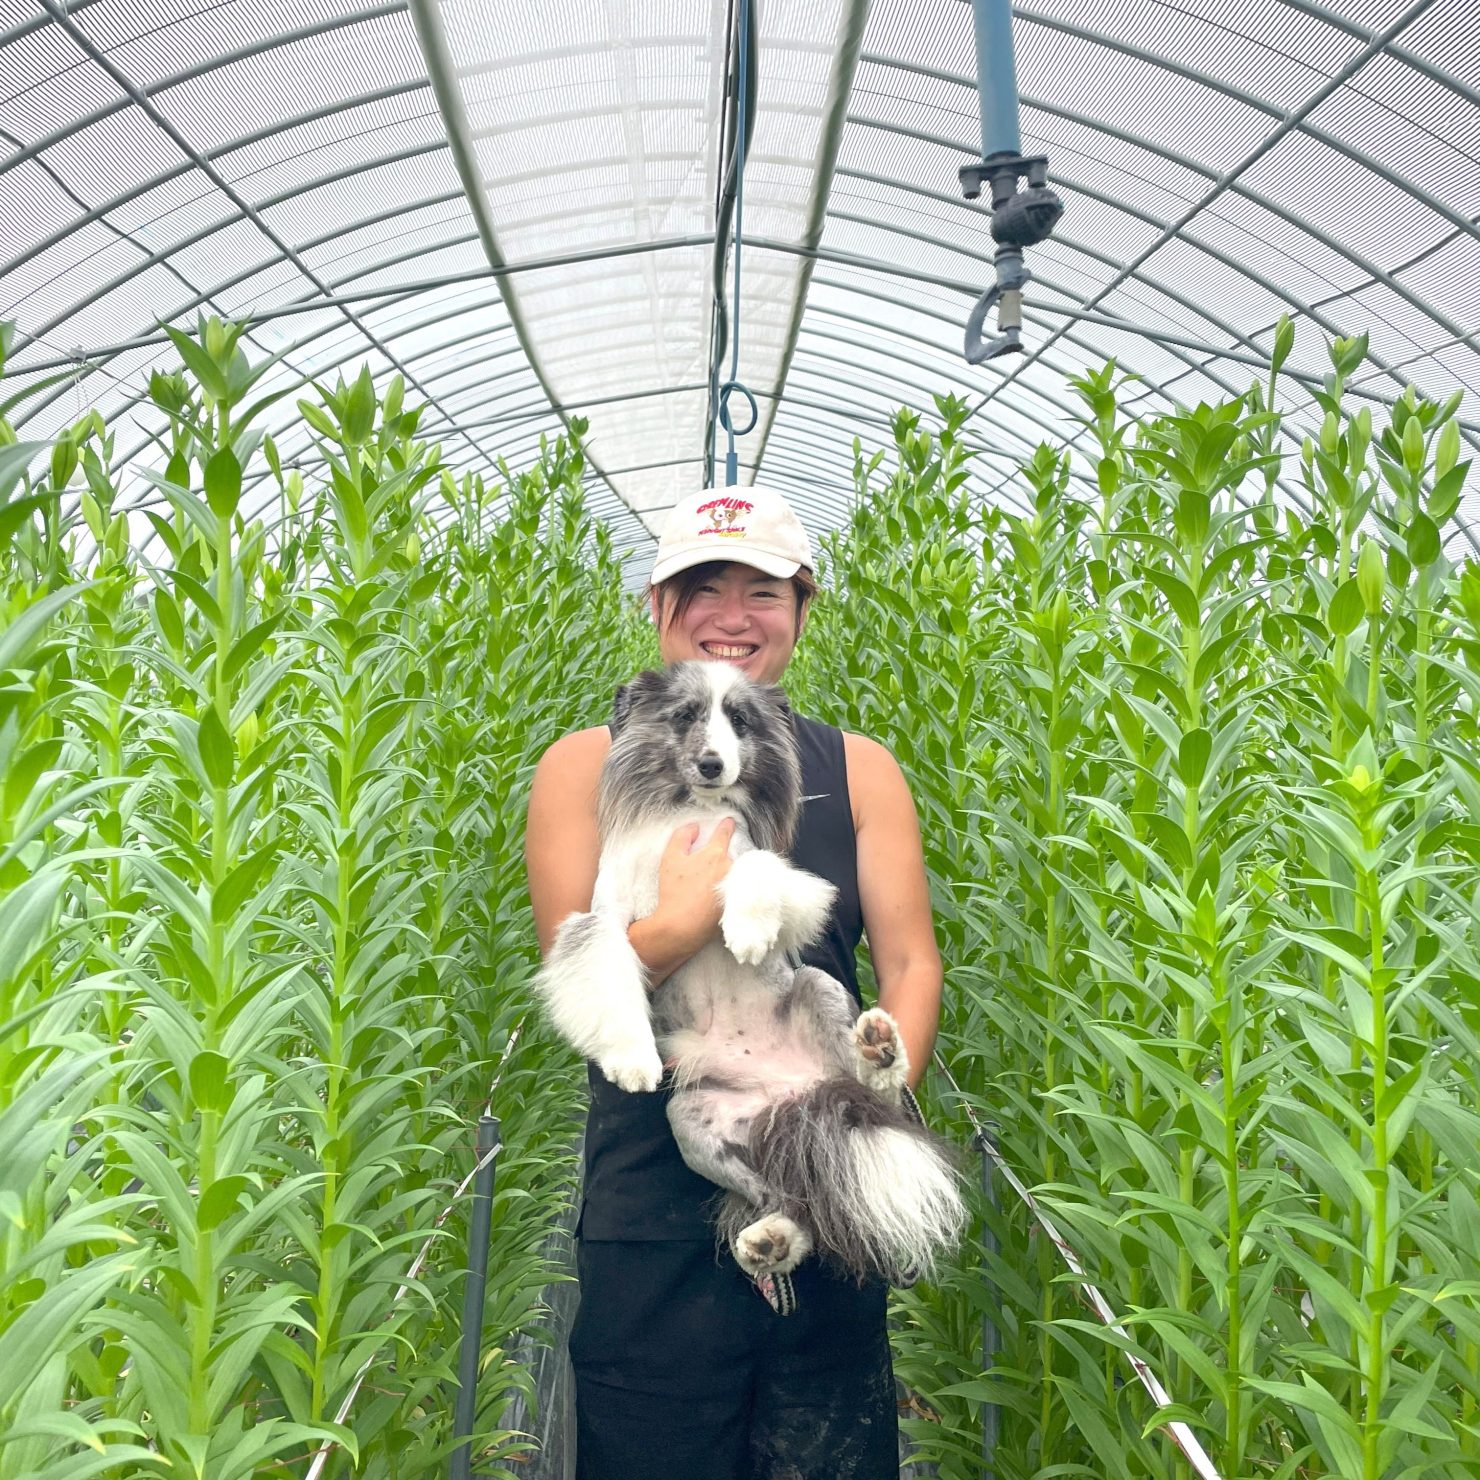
682 1371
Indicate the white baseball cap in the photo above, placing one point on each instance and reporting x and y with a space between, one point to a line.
754 526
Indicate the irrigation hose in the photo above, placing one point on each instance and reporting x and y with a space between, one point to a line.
738 134
1176 1430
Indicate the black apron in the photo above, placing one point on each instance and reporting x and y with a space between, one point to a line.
637 1186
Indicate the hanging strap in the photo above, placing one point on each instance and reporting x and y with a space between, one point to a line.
733 384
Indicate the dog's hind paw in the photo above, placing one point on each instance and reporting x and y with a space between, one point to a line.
636 1069
774 1244
883 1063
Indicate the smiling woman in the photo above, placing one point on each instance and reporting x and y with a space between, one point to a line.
668 1341
733 580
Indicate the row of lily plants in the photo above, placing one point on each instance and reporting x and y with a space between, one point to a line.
1194 744
264 943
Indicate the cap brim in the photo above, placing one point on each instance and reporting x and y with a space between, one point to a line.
761 560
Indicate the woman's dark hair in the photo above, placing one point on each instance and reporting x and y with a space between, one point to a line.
684 586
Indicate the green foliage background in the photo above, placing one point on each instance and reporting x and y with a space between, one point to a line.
263 930
1197 780
1198 784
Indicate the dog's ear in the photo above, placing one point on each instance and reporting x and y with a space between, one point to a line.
630 695
776 697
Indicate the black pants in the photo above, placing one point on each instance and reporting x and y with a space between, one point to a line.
683 1371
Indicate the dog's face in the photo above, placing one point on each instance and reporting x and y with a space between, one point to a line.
697 732
709 726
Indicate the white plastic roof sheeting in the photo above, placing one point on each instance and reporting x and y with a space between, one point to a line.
514 206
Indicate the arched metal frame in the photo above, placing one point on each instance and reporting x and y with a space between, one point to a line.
868 329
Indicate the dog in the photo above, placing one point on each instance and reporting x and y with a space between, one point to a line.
782 1094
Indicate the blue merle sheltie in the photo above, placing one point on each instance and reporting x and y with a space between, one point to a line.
783 1094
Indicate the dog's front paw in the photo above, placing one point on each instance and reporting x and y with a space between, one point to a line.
635 1067
750 929
809 903
883 1063
774 1244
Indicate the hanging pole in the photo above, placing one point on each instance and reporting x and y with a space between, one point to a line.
466 1408
996 71
1020 218
733 384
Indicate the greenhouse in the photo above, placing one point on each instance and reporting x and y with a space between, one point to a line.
1120 360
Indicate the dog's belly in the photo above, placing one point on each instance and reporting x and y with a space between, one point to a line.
717 1023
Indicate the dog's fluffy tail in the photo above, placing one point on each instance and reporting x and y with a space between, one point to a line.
878 1190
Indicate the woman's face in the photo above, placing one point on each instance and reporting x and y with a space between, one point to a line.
739 615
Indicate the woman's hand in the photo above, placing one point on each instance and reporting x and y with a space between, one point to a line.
688 911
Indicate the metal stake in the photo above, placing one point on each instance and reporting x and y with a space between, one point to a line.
465 1409
991 1416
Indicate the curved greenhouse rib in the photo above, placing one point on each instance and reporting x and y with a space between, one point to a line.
190 74
1431 70
1378 45
1374 273
1287 125
427 19
100 57
101 211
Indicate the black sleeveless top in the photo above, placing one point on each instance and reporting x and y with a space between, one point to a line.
637 1186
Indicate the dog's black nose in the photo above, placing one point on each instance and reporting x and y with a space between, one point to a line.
710 766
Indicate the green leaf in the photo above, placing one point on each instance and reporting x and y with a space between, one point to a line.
249 643
217 753
18 636
223 478
205 370
18 511
219 1200
49 1324
1180 596
209 1084
1192 756
359 409
1444 500
1347 609
167 614
14 460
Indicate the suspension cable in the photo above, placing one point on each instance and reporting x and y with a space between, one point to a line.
719 410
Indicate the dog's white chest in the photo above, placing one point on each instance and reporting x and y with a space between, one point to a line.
627 875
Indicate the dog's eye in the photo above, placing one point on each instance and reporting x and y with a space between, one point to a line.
687 715
739 722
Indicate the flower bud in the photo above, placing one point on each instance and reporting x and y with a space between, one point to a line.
1446 451
1413 448
1371 576
1059 619
248 733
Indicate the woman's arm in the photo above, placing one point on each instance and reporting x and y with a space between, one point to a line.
561 850
895 897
